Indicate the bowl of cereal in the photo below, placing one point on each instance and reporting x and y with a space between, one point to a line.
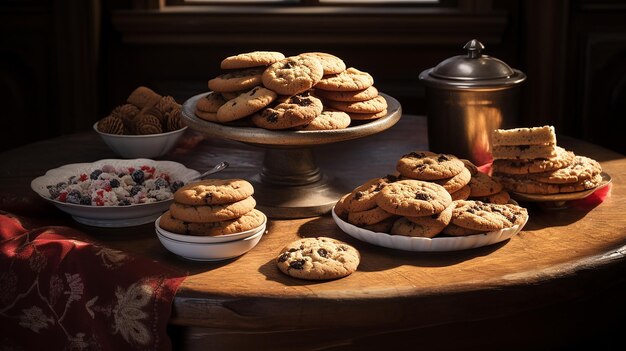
114 192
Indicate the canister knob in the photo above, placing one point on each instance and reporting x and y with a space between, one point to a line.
474 47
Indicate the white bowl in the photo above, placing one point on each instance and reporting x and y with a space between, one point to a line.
209 239
141 146
211 252
111 216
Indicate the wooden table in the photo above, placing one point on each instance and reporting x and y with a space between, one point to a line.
558 284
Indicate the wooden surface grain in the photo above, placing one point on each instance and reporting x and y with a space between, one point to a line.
562 257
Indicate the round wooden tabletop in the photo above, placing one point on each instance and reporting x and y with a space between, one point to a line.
563 274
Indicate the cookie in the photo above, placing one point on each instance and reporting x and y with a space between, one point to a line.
236 80
382 226
248 221
349 80
524 136
211 102
368 217
207 116
340 207
482 216
374 105
212 213
413 198
424 226
328 120
562 159
502 197
143 97
318 259
290 112
363 197
482 184
426 165
470 166
293 75
348 96
251 59
367 116
214 192
331 64
455 230
523 184
581 169
461 194
523 151
245 104
456 182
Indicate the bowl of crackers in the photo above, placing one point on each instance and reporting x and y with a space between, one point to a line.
148 125
210 220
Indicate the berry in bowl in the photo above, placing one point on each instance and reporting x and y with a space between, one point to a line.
114 193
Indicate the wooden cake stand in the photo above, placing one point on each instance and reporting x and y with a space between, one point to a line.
290 184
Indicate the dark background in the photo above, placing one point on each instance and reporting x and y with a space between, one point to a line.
66 64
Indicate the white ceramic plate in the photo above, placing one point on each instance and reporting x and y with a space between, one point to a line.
426 244
211 252
111 216
606 180
209 239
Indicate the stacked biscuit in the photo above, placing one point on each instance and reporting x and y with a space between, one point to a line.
528 160
422 200
213 207
310 91
145 112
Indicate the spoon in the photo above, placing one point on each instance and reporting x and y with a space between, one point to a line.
217 168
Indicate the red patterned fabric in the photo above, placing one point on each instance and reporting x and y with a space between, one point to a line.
60 291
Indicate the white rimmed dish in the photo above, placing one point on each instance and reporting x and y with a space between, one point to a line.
436 244
213 251
141 146
209 239
111 216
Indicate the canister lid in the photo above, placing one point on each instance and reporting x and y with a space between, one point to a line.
472 70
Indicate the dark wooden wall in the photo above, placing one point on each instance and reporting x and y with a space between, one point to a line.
65 64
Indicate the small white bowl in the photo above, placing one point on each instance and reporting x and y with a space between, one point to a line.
209 239
211 252
141 146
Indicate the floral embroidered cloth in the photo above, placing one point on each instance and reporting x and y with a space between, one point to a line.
60 291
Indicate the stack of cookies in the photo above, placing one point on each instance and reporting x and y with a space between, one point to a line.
145 112
528 160
471 217
310 91
213 207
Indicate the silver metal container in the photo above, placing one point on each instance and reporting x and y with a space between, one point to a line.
468 97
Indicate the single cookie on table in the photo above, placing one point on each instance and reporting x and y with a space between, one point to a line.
456 182
426 165
329 119
367 116
482 216
331 64
349 80
424 226
318 259
522 184
212 213
348 96
581 169
461 194
413 198
236 80
523 151
502 197
482 184
248 221
293 75
368 217
290 112
363 197
251 59
211 102
562 159
245 104
214 192
374 105
143 97
524 136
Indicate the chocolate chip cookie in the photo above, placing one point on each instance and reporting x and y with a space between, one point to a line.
214 192
292 111
348 96
482 216
363 197
482 184
331 64
426 165
413 198
424 226
212 213
329 119
250 220
349 80
293 75
236 80
251 59
374 105
245 104
562 159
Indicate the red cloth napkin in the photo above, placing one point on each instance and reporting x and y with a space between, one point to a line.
60 291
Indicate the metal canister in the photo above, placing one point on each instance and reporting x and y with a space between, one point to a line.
468 97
